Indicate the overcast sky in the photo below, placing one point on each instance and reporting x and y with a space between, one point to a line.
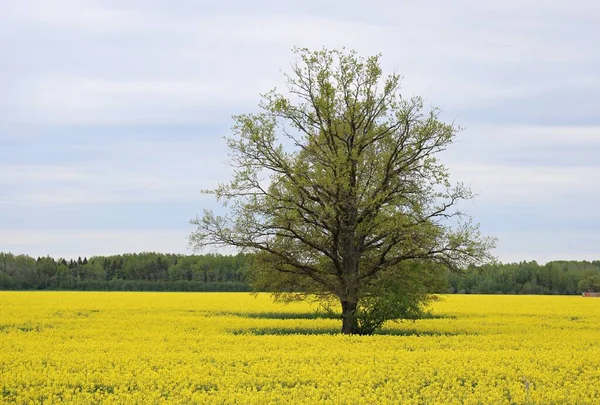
112 113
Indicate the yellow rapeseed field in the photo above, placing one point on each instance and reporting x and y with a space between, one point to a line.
233 348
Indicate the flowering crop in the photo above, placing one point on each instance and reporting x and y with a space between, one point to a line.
227 348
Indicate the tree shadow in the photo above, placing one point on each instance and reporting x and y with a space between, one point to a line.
305 315
430 315
25 327
282 331
279 315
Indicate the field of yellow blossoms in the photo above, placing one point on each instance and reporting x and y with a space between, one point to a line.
234 348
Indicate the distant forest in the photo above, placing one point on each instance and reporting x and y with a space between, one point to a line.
127 272
171 272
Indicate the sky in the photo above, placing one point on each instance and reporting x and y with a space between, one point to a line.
113 113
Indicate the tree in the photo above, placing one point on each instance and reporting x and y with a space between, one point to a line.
590 284
93 270
46 271
64 276
338 191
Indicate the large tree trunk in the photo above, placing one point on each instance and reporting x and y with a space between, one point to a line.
349 321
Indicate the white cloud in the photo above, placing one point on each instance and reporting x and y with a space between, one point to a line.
150 64
126 171
527 185
20 173
73 100
547 246
503 163
71 244
108 185
532 136
82 15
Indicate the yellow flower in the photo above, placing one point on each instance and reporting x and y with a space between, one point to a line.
233 348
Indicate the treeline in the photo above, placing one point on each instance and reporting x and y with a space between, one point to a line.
214 272
128 272
557 277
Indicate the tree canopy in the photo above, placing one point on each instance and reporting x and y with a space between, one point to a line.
338 190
